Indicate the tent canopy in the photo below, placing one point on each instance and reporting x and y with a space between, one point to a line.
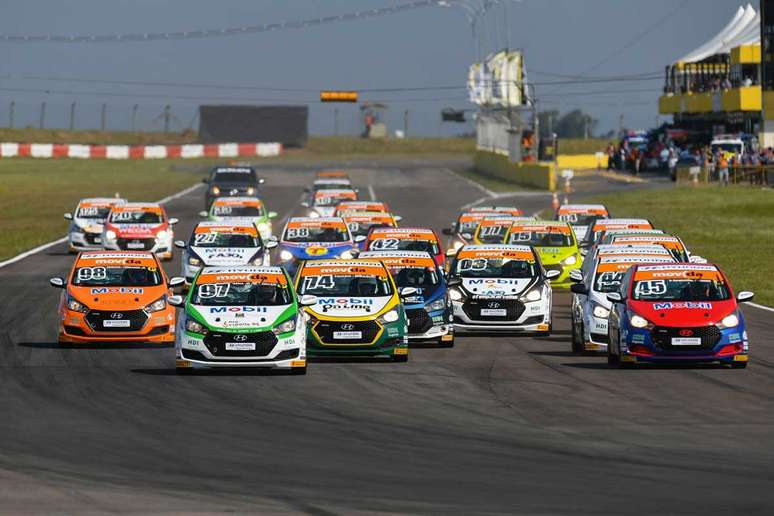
744 28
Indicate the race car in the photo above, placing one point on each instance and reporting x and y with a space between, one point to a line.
233 181
406 239
492 229
220 244
332 174
609 250
510 211
137 226
361 222
579 216
358 309
309 238
590 306
115 297
362 206
463 229
324 202
331 183
596 229
677 313
500 288
242 208
428 307
674 244
556 244
85 231
244 316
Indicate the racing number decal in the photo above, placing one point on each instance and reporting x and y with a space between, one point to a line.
569 217
488 231
122 216
88 212
91 273
353 226
317 282
205 238
521 237
651 288
476 264
222 210
210 290
298 232
609 279
383 244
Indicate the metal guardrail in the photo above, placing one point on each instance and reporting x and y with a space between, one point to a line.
751 174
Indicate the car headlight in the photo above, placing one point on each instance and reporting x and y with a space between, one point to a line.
156 306
455 295
192 260
250 190
570 260
194 326
263 227
110 234
162 235
286 255
533 295
76 306
287 326
602 312
389 317
346 255
215 190
638 322
729 321
438 304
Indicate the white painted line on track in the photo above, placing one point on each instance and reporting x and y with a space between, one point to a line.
58 241
372 192
762 307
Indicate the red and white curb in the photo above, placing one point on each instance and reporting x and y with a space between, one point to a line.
76 151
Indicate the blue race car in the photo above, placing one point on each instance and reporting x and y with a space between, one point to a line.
314 238
424 293
677 312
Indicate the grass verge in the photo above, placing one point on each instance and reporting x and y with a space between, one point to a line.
733 227
34 194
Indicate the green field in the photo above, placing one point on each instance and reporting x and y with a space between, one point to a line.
582 146
35 193
733 227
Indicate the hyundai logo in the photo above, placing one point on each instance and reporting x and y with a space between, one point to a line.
116 315
493 305
234 191
686 333
347 327
240 338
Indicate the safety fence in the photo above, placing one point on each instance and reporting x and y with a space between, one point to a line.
64 151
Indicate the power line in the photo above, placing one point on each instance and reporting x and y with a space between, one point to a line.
217 33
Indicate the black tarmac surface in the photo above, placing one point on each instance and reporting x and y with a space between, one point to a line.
494 425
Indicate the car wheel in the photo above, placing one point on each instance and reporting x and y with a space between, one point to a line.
298 371
613 360
400 358
183 371
577 339
738 365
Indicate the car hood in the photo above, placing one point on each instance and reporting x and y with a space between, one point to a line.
117 298
216 256
89 225
420 299
241 317
683 313
136 230
325 211
496 286
345 306
554 255
317 250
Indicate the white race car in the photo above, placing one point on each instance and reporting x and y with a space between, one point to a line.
500 288
85 231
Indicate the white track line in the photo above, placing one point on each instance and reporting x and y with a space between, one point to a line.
58 241
762 307
372 192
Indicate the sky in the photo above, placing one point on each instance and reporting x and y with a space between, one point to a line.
423 48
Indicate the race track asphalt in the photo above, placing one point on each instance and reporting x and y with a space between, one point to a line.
494 425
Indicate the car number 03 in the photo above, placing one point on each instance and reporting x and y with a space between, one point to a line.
91 273
318 282
211 290
477 264
298 232
651 288
383 244
205 238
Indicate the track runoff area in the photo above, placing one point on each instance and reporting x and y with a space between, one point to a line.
496 424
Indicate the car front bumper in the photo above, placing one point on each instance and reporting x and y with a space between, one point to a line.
288 353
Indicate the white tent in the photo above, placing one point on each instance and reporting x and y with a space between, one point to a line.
743 29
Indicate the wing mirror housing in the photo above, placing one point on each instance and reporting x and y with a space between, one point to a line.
576 275
579 288
175 282
744 296
454 282
447 231
272 214
305 204
68 216
360 238
57 282
553 274
408 291
173 221
180 244
307 300
175 300
615 297
203 213
270 244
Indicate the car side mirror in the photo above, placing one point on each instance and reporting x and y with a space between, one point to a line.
397 218
583 251
360 238
173 221
454 282
307 300
467 236
180 244
57 282
553 274
307 189
447 231
305 204
576 275
273 238
270 244
615 297
175 282
744 296
68 216
203 213
408 291
205 180
175 300
272 214
261 180
451 252
696 259
579 288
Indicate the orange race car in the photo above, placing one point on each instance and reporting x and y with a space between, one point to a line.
361 206
139 226
114 296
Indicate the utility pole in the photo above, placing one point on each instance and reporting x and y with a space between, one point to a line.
43 115
550 124
167 116
336 122
103 118
72 116
134 116
585 127
11 114
620 126
405 123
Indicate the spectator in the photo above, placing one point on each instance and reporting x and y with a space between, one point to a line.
672 162
610 156
723 170
747 82
664 156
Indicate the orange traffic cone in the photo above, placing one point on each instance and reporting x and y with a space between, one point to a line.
555 202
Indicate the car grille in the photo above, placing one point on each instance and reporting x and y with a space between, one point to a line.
601 338
513 309
326 329
662 337
192 354
264 343
147 243
136 318
418 320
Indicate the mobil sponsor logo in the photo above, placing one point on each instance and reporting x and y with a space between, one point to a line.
328 304
493 281
117 290
689 304
238 309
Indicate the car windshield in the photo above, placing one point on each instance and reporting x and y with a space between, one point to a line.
579 219
494 268
609 281
401 244
540 238
234 177
422 278
240 294
492 234
362 228
469 226
118 276
135 217
238 211
224 240
327 285
93 212
682 289
329 200
316 234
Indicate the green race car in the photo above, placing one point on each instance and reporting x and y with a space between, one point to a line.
556 244
242 208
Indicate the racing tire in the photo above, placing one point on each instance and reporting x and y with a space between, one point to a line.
613 360
184 371
738 365
400 358
298 371
577 340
